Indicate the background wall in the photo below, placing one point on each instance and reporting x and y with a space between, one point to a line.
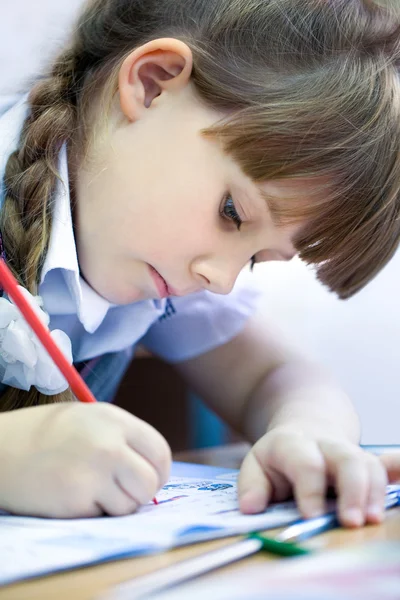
358 339
29 32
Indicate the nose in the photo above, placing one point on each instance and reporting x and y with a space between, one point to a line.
214 278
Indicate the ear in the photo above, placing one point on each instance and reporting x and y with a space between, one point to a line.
159 66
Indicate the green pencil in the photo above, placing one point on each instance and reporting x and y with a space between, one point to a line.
143 586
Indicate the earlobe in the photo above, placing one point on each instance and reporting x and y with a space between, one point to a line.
159 66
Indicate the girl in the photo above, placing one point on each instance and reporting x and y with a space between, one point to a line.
173 142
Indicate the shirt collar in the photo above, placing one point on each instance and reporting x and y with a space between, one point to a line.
91 307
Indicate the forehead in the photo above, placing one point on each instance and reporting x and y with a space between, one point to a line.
296 199
302 188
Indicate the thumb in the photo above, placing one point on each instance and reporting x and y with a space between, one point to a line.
254 488
391 462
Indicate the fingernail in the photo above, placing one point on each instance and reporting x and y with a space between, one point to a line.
252 502
375 513
353 517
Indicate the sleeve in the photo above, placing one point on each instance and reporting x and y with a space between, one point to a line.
195 324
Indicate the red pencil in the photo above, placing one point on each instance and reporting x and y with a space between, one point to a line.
76 383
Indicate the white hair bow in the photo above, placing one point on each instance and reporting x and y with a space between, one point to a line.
23 360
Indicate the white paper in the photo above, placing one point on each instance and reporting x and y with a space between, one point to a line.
198 503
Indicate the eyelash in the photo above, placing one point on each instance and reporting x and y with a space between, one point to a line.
229 212
232 215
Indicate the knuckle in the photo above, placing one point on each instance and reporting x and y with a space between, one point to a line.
377 472
316 464
281 440
373 461
75 421
352 453
311 466
106 415
363 465
354 458
106 409
108 454
350 459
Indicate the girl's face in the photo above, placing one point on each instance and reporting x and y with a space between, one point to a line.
163 211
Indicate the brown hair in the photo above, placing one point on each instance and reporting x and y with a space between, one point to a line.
311 88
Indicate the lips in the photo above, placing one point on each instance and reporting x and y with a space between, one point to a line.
164 289
161 285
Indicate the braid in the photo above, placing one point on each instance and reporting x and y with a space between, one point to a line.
31 175
30 180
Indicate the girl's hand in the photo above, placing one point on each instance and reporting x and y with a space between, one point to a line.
286 462
391 463
76 460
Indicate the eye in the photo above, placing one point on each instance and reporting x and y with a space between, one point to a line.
253 261
228 211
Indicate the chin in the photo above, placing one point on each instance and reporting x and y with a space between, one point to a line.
120 297
124 298
112 290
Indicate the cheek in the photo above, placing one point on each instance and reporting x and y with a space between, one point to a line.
183 219
173 214
177 240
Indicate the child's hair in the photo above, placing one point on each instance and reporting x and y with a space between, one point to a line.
310 88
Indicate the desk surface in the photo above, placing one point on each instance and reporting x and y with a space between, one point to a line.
87 583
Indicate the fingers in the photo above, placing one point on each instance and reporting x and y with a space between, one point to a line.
309 481
278 464
136 477
377 488
254 488
149 444
134 457
132 481
351 482
358 477
294 464
391 463
302 463
360 483
285 460
115 501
